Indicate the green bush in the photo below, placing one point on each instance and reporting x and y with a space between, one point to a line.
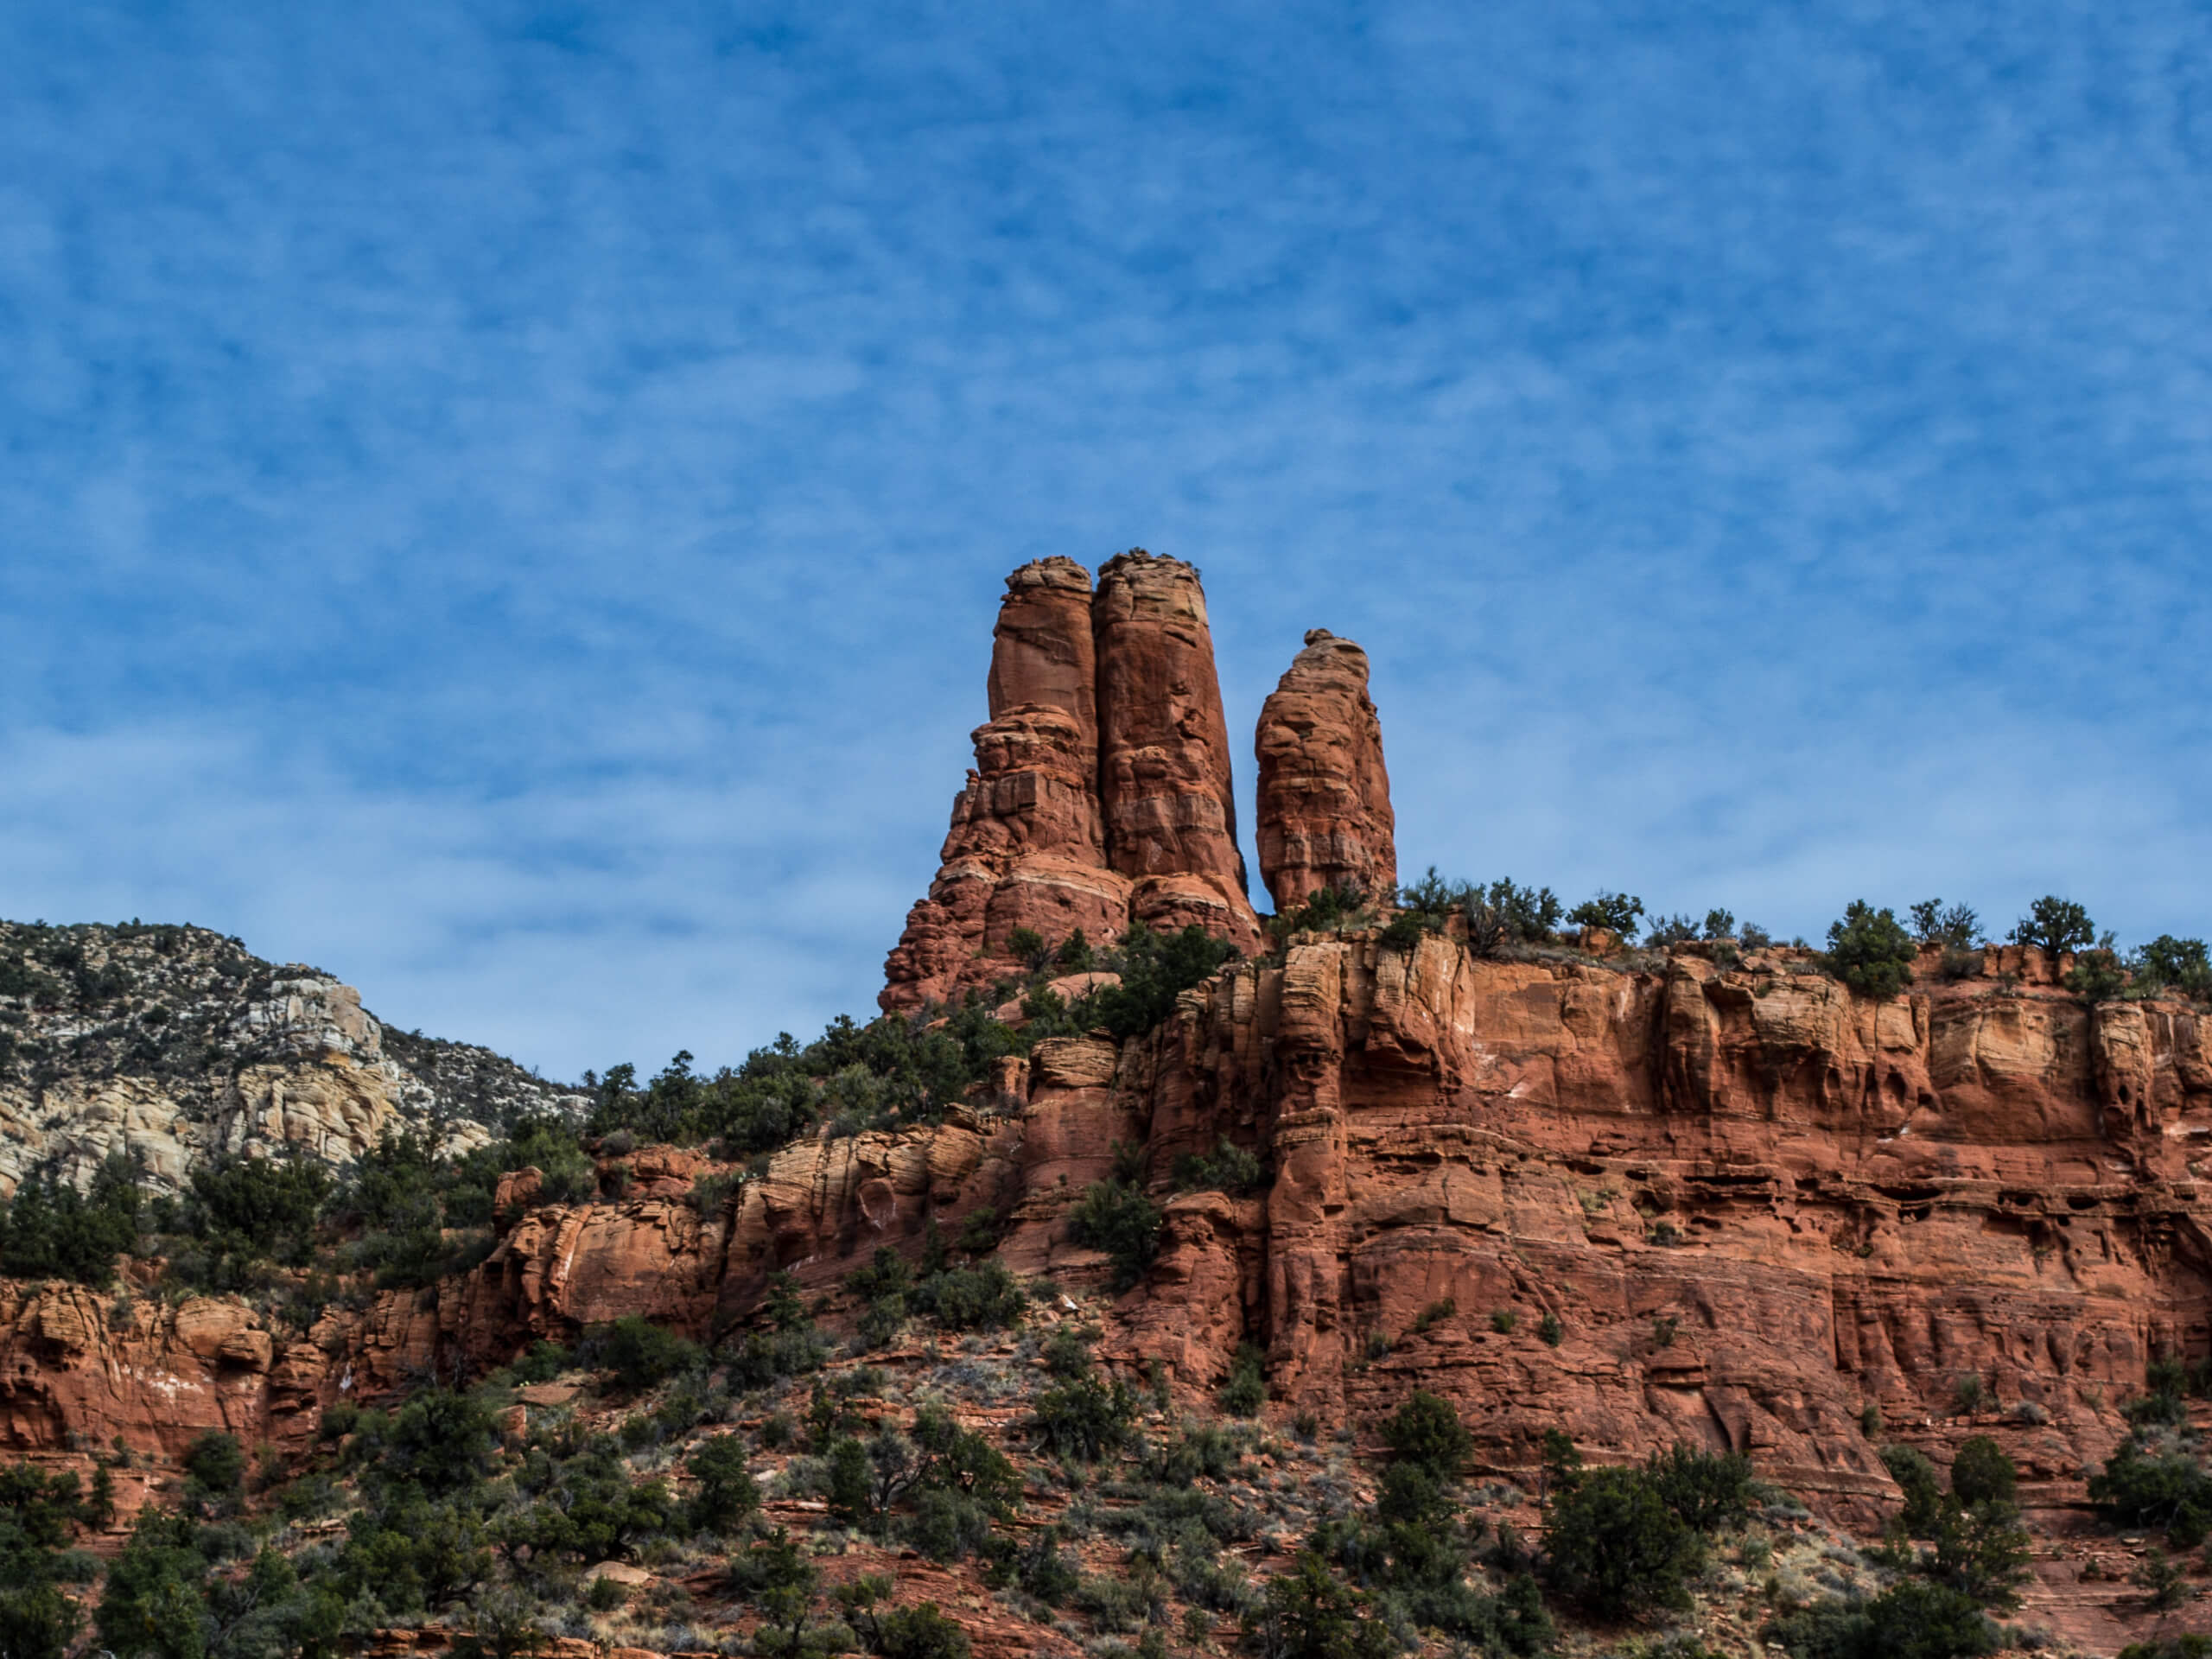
1617 912
1955 927
1870 951
1982 1549
1616 1549
2055 926
985 1297
1325 909
2096 976
640 1353
1912 1619
725 1493
1310 1614
1229 1169
1707 1491
2168 963
1981 1472
1121 1220
1246 1391
1155 969
919 1632
1428 1432
1915 1475
214 1468
50 1230
1085 1417
2166 1490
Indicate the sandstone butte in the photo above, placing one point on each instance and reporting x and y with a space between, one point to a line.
1724 1198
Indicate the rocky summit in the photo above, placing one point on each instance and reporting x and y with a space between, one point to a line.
1414 1269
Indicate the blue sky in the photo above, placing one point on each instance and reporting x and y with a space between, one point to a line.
507 502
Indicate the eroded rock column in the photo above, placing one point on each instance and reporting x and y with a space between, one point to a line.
1026 847
1324 817
1163 750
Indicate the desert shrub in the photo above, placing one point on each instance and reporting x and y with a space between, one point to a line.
1915 1475
1404 930
1428 1432
1615 1549
1438 1311
1085 1417
919 1632
1027 946
1706 1491
1552 1330
1119 1219
1066 1354
1325 909
36 1620
2165 1586
1955 927
1980 1472
640 1353
726 1492
2096 976
1246 1391
1501 915
50 1230
1155 969
1228 1168
214 1468
2168 963
985 1297
257 1207
1981 1548
1870 951
2055 926
441 1440
1503 1319
1310 1614
2165 1490
1912 1619
1664 931
1206 1449
1617 912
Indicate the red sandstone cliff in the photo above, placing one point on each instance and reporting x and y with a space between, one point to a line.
1752 1203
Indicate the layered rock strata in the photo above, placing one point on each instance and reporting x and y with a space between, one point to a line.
1101 793
1728 1203
1324 817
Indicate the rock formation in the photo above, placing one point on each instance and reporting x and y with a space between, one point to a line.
1163 750
1101 793
1325 816
176 1043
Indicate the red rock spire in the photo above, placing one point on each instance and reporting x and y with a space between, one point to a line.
1325 816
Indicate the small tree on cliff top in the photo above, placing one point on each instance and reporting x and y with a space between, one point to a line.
1870 950
2055 926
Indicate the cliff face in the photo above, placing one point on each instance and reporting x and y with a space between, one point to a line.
176 1043
1731 1204
1752 1203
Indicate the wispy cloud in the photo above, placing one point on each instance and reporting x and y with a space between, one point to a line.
506 501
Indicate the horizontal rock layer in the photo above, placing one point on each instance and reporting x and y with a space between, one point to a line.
1732 1205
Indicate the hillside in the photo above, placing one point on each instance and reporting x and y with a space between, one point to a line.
178 1044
